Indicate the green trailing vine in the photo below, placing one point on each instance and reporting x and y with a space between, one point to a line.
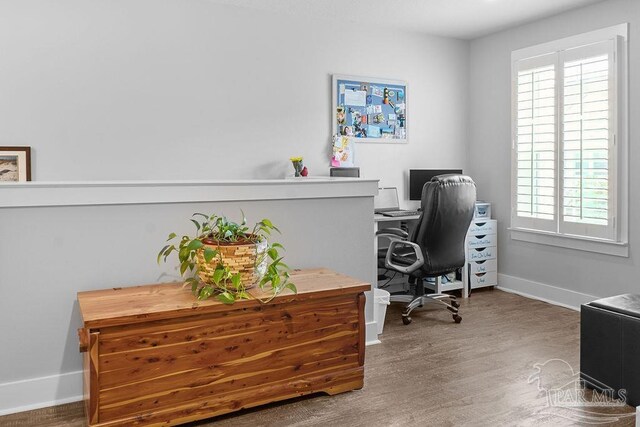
223 284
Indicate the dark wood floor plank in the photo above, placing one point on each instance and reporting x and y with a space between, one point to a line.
432 372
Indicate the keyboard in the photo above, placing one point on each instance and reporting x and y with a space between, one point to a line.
401 213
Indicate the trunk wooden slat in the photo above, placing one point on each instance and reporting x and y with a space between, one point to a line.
157 356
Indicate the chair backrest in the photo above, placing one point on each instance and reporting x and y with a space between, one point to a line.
448 203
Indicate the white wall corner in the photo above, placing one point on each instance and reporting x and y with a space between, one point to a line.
543 292
42 392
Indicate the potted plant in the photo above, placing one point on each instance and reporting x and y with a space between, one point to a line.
224 259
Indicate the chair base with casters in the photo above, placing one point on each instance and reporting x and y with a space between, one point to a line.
418 298
404 257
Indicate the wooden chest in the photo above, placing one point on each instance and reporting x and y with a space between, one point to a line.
155 355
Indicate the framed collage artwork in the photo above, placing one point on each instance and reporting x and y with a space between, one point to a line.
368 109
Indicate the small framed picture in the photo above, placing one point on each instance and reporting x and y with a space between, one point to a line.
15 164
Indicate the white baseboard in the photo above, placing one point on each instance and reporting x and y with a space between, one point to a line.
35 393
543 292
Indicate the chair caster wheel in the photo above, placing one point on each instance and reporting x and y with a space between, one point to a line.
457 318
406 320
456 304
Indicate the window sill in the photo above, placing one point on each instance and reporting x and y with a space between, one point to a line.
620 249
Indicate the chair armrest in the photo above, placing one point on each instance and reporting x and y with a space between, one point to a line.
392 232
401 268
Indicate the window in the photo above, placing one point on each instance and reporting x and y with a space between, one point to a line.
569 102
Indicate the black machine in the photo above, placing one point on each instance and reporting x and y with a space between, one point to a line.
345 172
419 177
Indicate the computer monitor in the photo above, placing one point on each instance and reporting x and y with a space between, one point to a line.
419 177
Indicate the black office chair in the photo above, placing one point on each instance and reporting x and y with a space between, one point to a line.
436 246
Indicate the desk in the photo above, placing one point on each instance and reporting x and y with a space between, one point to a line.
379 219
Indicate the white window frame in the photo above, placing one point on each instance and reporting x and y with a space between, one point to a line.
615 240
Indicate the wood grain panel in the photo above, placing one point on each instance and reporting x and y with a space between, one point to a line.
194 328
160 361
139 304
207 368
168 394
94 377
333 383
300 340
362 300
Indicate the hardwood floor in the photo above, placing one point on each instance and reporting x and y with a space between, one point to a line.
434 372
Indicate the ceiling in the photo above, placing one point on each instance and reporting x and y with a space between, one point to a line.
464 19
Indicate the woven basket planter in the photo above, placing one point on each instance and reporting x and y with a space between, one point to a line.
238 257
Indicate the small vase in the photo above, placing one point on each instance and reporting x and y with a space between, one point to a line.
297 166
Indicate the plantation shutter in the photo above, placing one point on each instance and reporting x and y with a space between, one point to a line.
587 92
535 143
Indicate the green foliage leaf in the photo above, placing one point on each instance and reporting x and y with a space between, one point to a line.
205 292
183 254
171 236
162 252
196 223
218 274
193 282
275 281
236 280
209 254
194 245
226 298
183 267
273 253
292 287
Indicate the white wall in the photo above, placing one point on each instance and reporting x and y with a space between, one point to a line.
48 254
172 89
489 158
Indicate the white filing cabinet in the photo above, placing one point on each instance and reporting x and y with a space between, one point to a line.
482 253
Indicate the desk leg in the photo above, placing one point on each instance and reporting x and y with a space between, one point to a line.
375 254
465 279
